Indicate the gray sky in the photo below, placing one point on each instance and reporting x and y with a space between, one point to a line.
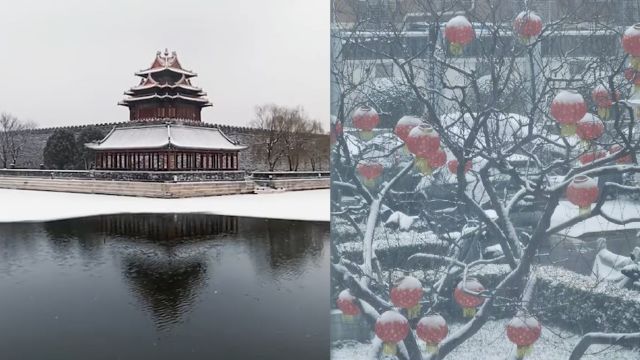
68 62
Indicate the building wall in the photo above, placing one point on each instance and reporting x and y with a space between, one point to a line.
249 159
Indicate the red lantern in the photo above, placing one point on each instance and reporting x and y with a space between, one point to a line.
365 118
631 44
459 32
407 294
627 159
527 25
523 331
469 302
370 172
452 165
603 100
347 304
568 107
391 328
405 125
424 143
432 329
591 156
589 128
582 192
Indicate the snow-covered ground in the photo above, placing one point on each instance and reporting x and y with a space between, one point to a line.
26 205
620 209
491 343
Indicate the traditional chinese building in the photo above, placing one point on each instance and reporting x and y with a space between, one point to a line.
166 132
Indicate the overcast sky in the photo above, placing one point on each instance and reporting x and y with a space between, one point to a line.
67 62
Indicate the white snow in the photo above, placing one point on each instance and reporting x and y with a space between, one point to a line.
409 120
458 22
568 97
523 322
392 317
345 295
530 15
26 205
590 118
621 209
491 343
432 321
409 283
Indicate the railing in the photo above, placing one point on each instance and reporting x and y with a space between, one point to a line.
121 175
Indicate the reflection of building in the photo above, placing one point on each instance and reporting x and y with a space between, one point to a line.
164 226
175 138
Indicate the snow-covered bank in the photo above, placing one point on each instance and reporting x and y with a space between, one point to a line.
491 343
26 205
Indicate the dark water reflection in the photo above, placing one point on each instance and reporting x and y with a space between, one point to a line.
164 287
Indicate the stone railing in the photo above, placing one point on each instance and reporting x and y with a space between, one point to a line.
153 176
268 175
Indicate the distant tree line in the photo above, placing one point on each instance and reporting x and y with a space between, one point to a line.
289 136
65 150
13 137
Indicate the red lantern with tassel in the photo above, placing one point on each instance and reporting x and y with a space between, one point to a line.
459 32
631 44
469 302
627 159
405 125
527 25
603 100
452 165
524 331
370 172
347 304
432 329
407 294
391 327
567 108
424 143
582 192
589 128
366 118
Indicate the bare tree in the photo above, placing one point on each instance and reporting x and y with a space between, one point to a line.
13 137
489 106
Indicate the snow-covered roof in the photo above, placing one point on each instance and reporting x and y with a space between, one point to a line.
165 135
165 62
166 96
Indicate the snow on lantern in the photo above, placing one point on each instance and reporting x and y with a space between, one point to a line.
582 192
567 108
424 143
365 119
347 304
523 330
591 156
627 159
452 165
459 32
527 25
405 125
589 128
370 172
407 294
631 45
603 100
391 327
469 302
432 329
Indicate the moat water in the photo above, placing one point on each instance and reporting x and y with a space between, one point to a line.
164 287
